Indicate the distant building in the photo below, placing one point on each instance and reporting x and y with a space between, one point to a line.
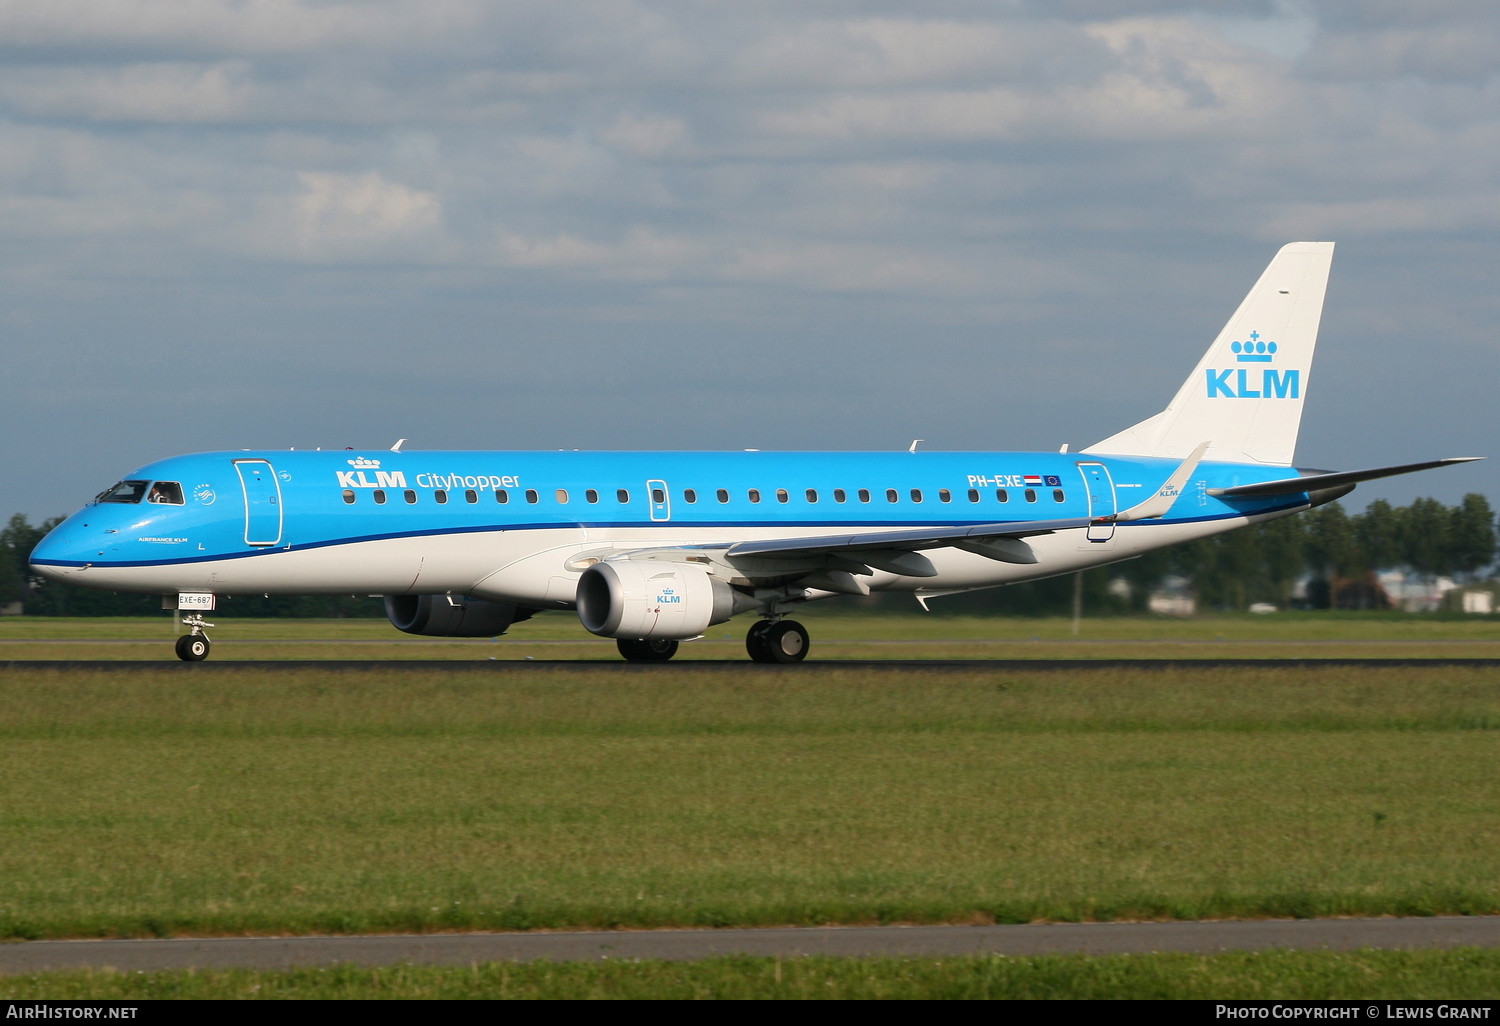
1481 603
1173 598
1413 593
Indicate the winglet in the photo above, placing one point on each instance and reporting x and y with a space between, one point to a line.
1158 504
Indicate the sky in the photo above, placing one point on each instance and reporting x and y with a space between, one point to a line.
616 224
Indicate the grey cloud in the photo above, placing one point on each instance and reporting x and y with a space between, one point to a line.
1100 10
803 223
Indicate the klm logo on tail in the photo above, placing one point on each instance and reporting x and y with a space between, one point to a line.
1273 384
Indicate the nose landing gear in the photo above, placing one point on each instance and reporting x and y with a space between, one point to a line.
777 641
193 646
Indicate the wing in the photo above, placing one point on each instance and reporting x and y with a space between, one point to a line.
854 546
834 561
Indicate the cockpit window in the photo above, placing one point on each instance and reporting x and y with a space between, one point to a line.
125 491
168 492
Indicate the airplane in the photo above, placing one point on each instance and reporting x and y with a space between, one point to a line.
653 548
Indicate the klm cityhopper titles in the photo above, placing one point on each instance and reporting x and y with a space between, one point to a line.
652 548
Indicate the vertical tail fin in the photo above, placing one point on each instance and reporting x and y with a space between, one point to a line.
1247 391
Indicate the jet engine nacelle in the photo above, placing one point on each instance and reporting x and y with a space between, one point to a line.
452 616
649 599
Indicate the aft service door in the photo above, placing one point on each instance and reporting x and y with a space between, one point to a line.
262 502
1101 491
661 501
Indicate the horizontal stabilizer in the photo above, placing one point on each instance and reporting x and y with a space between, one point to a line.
1315 482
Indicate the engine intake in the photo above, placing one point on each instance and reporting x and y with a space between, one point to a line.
452 616
647 599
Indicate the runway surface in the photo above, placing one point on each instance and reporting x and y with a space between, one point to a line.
690 665
682 945
881 642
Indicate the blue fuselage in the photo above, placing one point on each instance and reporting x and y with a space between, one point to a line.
444 521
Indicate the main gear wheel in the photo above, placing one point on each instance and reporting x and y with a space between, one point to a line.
777 641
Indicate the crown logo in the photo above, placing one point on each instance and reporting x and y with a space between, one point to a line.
363 463
1254 351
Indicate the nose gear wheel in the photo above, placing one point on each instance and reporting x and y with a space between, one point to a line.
192 648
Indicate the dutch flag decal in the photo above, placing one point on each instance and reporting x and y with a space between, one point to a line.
1033 480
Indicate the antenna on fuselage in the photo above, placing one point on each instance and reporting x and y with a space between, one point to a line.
399 443
914 442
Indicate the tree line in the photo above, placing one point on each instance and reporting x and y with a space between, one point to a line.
1336 552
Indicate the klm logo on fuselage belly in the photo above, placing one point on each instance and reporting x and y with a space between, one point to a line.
1235 383
357 479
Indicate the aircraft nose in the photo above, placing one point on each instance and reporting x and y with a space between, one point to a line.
49 551
51 558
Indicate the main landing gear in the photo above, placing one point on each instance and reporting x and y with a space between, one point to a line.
769 641
646 650
193 646
777 641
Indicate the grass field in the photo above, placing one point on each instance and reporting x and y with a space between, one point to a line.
1363 975
837 633
138 803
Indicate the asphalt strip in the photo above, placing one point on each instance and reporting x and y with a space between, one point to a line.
788 942
691 665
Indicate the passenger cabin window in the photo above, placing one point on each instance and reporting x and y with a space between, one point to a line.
944 495
688 495
916 495
591 495
838 495
349 495
812 495
531 495
1057 495
379 495
658 496
1031 495
754 495
891 496
781 495
623 496
125 491
410 495
973 494
440 497
167 493
471 496
864 495
723 494
562 496
1001 495
501 495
